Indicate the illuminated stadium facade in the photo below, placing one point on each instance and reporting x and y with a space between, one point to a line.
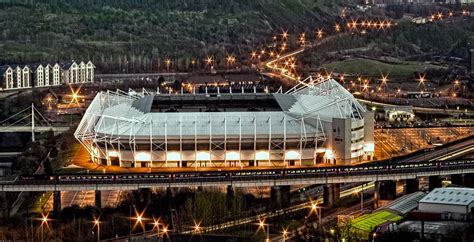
315 122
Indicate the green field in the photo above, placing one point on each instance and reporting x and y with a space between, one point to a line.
368 67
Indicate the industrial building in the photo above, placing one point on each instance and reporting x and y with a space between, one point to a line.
455 202
317 121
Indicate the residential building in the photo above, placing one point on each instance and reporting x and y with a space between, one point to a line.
45 75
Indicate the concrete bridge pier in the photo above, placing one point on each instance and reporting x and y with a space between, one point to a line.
464 180
384 190
230 195
376 194
4 213
280 196
57 204
412 185
469 180
457 179
387 190
98 199
331 194
434 182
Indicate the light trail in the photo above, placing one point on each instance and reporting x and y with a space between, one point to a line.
456 153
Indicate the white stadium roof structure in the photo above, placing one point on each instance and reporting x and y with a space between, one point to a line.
165 122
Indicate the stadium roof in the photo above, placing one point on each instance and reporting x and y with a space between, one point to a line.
122 114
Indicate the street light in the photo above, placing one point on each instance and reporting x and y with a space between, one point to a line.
97 223
44 220
285 234
156 224
302 38
168 63
197 227
230 60
209 61
314 209
421 79
265 227
139 219
252 55
320 33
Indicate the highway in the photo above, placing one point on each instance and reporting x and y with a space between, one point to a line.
250 178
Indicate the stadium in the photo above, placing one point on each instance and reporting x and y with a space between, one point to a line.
317 121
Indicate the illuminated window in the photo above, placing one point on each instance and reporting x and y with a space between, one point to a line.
262 155
369 147
173 156
329 154
143 156
292 155
113 153
232 155
203 156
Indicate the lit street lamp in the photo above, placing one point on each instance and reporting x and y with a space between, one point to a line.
139 219
230 60
285 234
44 220
320 33
265 227
97 223
197 228
209 61
168 63
314 209
421 79
156 224
285 34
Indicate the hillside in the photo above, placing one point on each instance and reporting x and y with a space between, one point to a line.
146 32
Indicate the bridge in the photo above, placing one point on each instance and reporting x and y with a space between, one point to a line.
247 178
27 120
